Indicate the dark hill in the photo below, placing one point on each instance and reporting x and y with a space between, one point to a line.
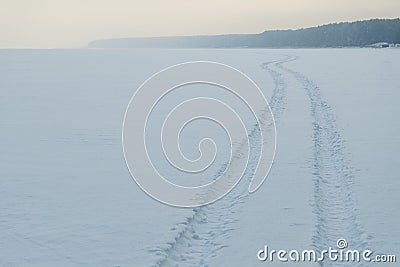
343 34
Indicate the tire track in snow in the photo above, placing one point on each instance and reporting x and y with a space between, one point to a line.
333 206
278 99
204 234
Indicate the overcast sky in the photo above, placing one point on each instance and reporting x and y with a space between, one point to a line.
73 23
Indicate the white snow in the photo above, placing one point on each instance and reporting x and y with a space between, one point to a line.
67 199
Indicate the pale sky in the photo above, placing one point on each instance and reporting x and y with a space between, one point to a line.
73 23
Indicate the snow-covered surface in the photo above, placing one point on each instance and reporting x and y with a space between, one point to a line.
67 199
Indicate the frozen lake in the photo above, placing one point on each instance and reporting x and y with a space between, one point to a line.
67 198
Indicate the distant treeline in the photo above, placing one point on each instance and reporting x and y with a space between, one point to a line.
343 34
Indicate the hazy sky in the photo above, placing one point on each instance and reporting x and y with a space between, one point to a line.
73 23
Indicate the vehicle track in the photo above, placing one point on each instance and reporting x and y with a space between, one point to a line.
334 204
204 234
201 236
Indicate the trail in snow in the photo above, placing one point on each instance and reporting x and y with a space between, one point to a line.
201 236
334 205
206 232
